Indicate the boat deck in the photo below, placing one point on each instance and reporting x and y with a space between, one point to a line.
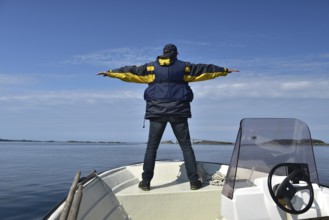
170 196
167 187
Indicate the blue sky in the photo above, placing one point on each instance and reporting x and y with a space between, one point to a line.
51 51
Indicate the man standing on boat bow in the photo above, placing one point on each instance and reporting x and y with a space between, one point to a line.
168 98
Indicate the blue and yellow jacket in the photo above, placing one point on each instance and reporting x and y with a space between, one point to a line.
168 92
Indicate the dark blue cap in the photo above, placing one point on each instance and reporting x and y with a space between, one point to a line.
170 49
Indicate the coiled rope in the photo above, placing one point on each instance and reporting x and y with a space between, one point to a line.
216 179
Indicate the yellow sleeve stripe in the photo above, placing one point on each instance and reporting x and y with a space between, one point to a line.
129 77
150 68
204 76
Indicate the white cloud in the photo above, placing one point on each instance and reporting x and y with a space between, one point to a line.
311 64
62 99
304 64
116 57
11 79
237 86
286 87
297 85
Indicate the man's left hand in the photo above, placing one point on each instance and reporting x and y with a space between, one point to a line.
232 70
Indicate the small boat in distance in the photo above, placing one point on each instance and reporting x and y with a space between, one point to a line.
272 175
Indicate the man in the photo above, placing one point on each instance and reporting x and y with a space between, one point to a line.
168 98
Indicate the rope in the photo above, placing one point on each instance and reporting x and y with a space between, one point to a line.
216 179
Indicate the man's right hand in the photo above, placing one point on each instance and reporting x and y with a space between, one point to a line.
102 74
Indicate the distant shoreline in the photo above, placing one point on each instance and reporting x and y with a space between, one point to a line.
115 142
198 141
69 142
194 142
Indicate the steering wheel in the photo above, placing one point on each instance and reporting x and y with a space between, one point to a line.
283 193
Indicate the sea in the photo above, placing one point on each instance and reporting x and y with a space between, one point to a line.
36 176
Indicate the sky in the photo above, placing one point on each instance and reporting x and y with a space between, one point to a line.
51 52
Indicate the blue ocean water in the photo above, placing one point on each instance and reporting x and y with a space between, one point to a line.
36 176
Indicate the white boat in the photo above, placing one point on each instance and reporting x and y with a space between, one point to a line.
272 175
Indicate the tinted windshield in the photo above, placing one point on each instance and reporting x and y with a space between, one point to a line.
263 143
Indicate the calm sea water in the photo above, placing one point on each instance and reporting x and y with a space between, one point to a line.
36 176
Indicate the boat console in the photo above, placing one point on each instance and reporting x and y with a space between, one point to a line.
272 173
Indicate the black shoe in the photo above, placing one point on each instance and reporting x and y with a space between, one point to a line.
144 185
196 185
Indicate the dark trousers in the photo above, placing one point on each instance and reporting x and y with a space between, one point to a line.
181 131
